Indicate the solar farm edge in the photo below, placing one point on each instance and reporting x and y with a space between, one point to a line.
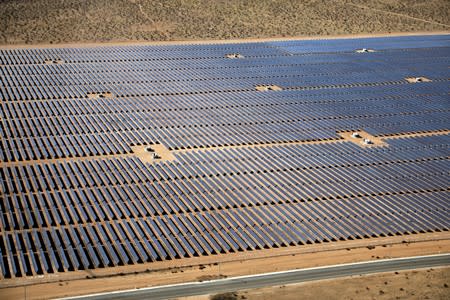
219 42
420 244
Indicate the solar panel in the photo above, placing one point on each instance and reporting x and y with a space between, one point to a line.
252 167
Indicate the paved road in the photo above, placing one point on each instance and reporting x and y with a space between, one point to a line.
278 278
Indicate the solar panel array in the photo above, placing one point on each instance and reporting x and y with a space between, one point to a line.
252 170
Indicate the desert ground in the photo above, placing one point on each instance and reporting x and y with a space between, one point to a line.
72 21
416 284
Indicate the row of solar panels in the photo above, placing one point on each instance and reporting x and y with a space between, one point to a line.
429 93
29 58
169 182
135 48
227 116
123 242
216 85
39 111
85 76
423 58
311 156
15 149
274 157
381 43
14 80
248 49
66 144
348 170
439 143
99 204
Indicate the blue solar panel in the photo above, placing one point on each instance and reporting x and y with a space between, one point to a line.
253 167
376 43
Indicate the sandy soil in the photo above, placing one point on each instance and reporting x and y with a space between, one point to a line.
65 21
281 259
432 11
416 284
152 153
362 136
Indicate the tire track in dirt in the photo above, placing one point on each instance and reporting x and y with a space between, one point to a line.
397 14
